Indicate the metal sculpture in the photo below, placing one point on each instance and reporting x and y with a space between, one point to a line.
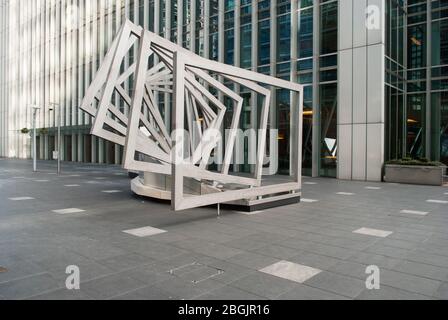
182 152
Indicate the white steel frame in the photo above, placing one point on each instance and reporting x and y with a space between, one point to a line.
187 77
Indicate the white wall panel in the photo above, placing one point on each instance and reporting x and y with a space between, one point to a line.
359 85
360 151
345 87
345 151
375 83
346 24
361 81
375 151
359 23
375 36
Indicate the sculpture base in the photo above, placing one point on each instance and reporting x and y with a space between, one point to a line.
158 187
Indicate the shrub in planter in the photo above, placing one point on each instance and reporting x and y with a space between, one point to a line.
25 130
43 131
415 171
415 162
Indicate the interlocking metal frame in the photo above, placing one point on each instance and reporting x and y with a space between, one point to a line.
164 67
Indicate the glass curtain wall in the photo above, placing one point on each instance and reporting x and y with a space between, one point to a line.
416 101
417 47
283 67
439 81
395 80
305 77
328 86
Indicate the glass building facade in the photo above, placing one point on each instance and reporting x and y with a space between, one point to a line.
417 78
51 49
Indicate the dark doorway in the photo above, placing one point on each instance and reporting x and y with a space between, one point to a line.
51 146
87 148
38 153
110 153
68 148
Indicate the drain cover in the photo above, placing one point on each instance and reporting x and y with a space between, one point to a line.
196 272
185 268
3 269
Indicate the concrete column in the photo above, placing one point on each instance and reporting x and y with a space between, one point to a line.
46 148
94 148
80 145
361 100
74 137
101 151
117 154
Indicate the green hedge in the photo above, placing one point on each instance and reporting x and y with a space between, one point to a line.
415 162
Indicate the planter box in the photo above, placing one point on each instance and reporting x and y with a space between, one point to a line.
424 175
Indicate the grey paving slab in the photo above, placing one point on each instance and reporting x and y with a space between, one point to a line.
442 291
16 268
392 252
304 292
151 249
62 294
264 285
422 270
409 282
428 258
256 241
229 293
350 269
390 293
187 290
338 284
434 249
147 293
252 260
402 244
146 274
367 258
27 287
110 286
277 251
315 260
127 261
327 250
96 250
209 248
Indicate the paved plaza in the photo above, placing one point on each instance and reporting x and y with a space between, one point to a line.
127 247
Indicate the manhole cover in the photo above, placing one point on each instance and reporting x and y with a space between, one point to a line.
3 269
